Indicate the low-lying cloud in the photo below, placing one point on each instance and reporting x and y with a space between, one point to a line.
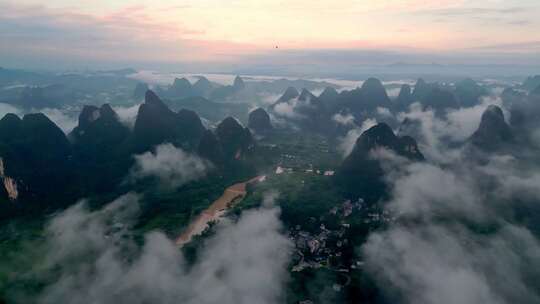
7 108
344 119
67 120
170 165
454 237
290 108
448 265
384 112
61 118
245 262
127 115
434 133
95 259
347 142
464 121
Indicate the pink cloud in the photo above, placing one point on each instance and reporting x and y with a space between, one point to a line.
128 34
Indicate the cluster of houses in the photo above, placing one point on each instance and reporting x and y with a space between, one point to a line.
317 249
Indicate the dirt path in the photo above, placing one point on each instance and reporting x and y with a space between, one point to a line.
215 211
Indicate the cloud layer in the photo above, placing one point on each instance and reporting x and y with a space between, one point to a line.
455 237
170 165
96 259
347 142
63 118
434 133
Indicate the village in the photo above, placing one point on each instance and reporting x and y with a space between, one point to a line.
328 245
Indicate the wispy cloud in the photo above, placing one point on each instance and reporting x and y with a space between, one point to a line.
170 165
347 142
526 46
244 262
129 34
455 238
226 32
474 11
487 14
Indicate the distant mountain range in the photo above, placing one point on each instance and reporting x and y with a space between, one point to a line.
37 158
414 65
372 101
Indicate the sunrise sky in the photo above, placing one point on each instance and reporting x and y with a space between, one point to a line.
62 32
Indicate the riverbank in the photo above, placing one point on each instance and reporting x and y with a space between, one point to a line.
215 211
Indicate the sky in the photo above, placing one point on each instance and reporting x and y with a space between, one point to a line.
66 34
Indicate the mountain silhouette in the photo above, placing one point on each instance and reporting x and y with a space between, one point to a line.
156 124
493 132
259 121
361 174
235 140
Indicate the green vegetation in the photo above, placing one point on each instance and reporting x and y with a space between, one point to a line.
21 244
302 196
303 150
307 199
171 211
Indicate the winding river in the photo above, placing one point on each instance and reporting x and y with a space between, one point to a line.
215 211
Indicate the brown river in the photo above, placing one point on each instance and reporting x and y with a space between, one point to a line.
215 211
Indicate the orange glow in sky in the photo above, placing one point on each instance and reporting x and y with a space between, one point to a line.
224 29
